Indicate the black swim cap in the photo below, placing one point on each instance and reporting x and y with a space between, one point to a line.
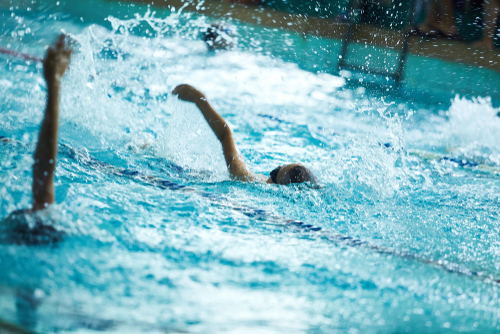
210 34
217 36
274 174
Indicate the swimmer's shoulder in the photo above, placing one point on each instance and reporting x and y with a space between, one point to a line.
28 227
19 220
252 177
260 178
17 217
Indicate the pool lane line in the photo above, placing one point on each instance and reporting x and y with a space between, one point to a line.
424 155
273 219
439 157
272 118
20 55
83 157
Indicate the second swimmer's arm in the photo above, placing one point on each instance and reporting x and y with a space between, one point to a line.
55 65
235 164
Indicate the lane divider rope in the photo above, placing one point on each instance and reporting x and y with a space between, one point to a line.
21 55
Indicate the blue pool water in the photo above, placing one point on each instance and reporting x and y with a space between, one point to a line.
415 183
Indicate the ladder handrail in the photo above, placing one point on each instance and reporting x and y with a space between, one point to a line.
398 74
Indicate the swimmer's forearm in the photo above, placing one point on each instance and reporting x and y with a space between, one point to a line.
46 150
216 122
236 166
48 133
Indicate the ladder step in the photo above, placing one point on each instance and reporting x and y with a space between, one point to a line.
358 68
387 38
372 35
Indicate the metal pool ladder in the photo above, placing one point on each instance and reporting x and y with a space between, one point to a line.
357 32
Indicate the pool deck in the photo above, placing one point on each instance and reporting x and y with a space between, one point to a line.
444 49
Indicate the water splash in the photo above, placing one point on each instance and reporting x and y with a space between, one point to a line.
474 128
188 140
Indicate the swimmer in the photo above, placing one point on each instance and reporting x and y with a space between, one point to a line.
27 226
218 37
238 170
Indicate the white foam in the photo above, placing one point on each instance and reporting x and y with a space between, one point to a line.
474 122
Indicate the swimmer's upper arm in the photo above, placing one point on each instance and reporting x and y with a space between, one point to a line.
238 169
45 153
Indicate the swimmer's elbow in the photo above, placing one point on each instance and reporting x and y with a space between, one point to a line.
45 166
225 134
238 169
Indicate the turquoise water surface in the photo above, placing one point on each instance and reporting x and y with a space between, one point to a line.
402 235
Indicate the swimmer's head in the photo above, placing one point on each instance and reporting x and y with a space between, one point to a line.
292 173
217 37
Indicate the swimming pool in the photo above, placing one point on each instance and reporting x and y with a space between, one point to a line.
143 258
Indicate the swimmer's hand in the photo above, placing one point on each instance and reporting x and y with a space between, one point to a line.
189 94
56 61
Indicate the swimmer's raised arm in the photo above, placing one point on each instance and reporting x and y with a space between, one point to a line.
235 164
55 64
